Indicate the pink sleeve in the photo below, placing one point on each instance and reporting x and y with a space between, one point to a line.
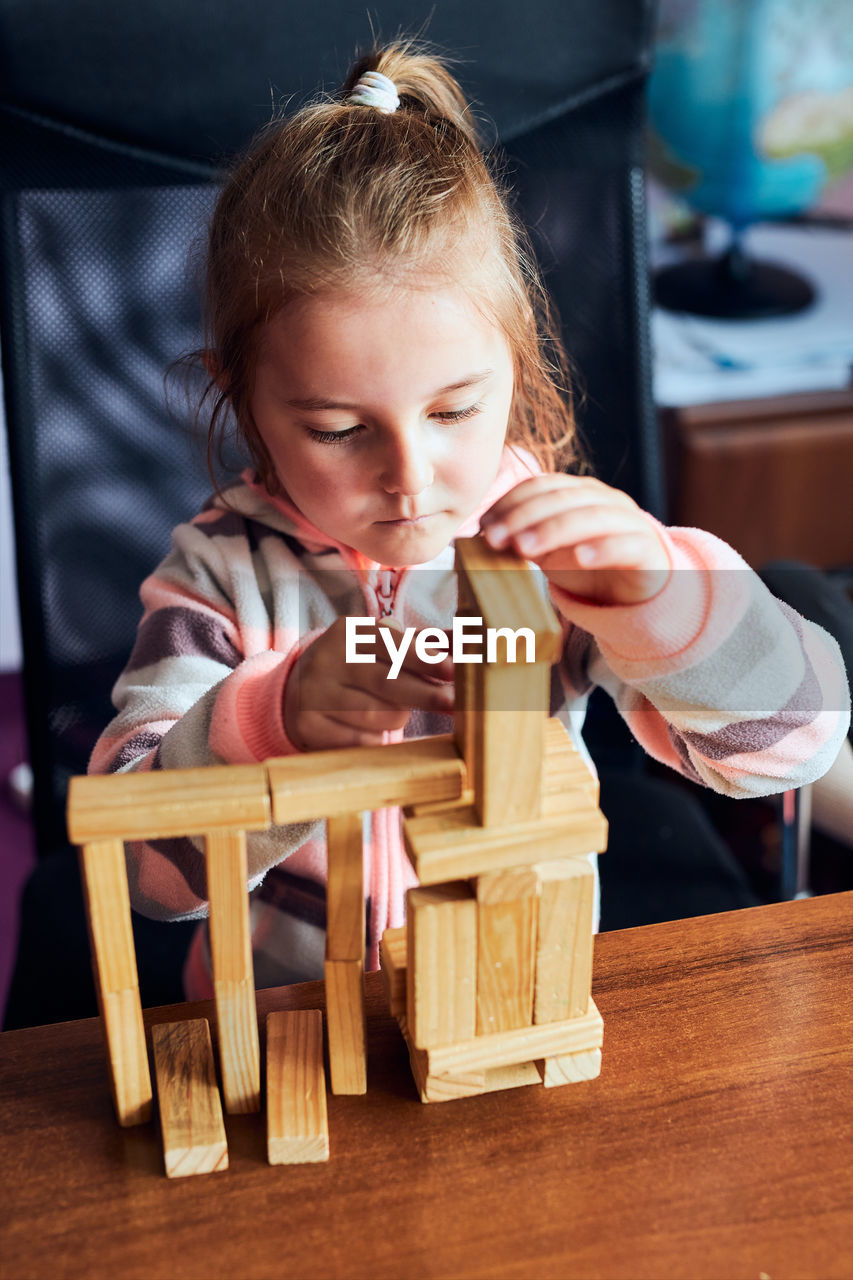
247 724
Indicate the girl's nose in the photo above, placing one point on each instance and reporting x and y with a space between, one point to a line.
407 467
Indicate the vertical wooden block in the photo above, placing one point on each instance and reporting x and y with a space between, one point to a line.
347 1033
564 951
468 693
297 1125
441 963
233 977
345 923
344 968
190 1110
505 749
392 959
506 954
509 767
107 901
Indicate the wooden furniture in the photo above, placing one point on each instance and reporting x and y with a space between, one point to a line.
773 477
716 1141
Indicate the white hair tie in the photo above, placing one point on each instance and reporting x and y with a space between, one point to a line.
372 89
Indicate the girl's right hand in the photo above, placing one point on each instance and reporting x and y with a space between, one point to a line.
331 703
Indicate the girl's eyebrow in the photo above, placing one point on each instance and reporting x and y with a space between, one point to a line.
318 403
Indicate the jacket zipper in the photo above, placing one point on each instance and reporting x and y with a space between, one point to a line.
386 591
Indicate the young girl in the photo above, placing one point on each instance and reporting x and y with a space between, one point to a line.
377 332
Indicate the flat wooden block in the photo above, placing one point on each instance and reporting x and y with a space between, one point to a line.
392 959
453 845
345 911
465 1084
323 784
506 956
441 963
345 1017
168 802
190 1110
553 1039
444 1088
297 1124
564 949
506 593
572 1068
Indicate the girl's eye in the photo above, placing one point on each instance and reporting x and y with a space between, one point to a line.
457 415
332 437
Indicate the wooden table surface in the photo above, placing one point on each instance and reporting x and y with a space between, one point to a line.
717 1142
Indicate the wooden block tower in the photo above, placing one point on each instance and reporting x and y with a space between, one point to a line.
490 980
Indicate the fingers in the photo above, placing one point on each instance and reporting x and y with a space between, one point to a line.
539 497
540 515
588 538
330 702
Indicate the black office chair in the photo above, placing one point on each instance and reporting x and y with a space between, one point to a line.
114 125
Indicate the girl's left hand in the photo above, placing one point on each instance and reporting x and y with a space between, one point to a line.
587 538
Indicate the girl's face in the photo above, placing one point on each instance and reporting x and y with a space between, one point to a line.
385 420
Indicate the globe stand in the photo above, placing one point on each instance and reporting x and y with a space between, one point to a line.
732 287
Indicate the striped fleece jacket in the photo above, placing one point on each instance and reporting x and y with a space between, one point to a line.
714 677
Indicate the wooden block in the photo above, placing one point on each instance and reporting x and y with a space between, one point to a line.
571 1068
130 1077
297 1125
441 964
501 705
501 588
392 959
190 1110
444 1088
465 1084
107 900
508 767
565 942
527 1044
323 784
515 1076
345 922
233 979
347 1034
169 802
506 956
452 845
508 885
566 770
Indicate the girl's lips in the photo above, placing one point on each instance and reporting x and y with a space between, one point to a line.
404 521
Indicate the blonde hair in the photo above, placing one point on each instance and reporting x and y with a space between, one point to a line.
341 195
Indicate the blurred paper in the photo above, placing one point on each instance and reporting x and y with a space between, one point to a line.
698 360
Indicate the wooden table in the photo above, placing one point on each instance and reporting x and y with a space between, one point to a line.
718 1141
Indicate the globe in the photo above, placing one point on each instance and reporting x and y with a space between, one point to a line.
750 108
